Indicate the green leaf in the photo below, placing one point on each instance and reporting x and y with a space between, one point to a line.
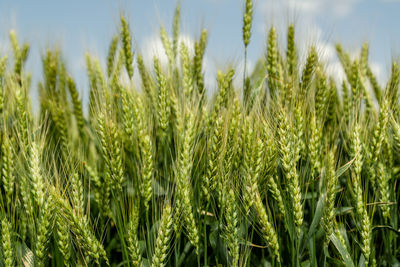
343 232
386 227
315 222
317 216
158 189
361 262
309 195
343 210
25 255
306 263
342 250
290 222
146 262
214 235
344 168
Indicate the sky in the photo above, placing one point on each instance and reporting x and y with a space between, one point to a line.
78 26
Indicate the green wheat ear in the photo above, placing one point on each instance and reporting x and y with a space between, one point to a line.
133 242
272 63
126 40
163 98
176 29
289 161
393 85
360 207
163 238
64 243
7 168
77 104
331 182
20 54
6 242
112 50
167 46
187 81
268 232
291 52
231 226
199 48
44 233
247 21
183 184
308 71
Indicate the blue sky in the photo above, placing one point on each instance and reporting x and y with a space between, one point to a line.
78 26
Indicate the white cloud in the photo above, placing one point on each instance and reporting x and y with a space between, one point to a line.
239 68
152 47
342 7
326 52
337 8
304 13
308 31
378 70
307 6
335 69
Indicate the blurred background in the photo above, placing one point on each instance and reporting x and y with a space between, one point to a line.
78 26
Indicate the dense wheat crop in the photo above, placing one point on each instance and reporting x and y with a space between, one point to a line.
292 168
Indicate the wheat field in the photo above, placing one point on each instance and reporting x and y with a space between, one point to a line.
291 168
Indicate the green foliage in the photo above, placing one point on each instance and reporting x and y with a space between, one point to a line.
300 171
